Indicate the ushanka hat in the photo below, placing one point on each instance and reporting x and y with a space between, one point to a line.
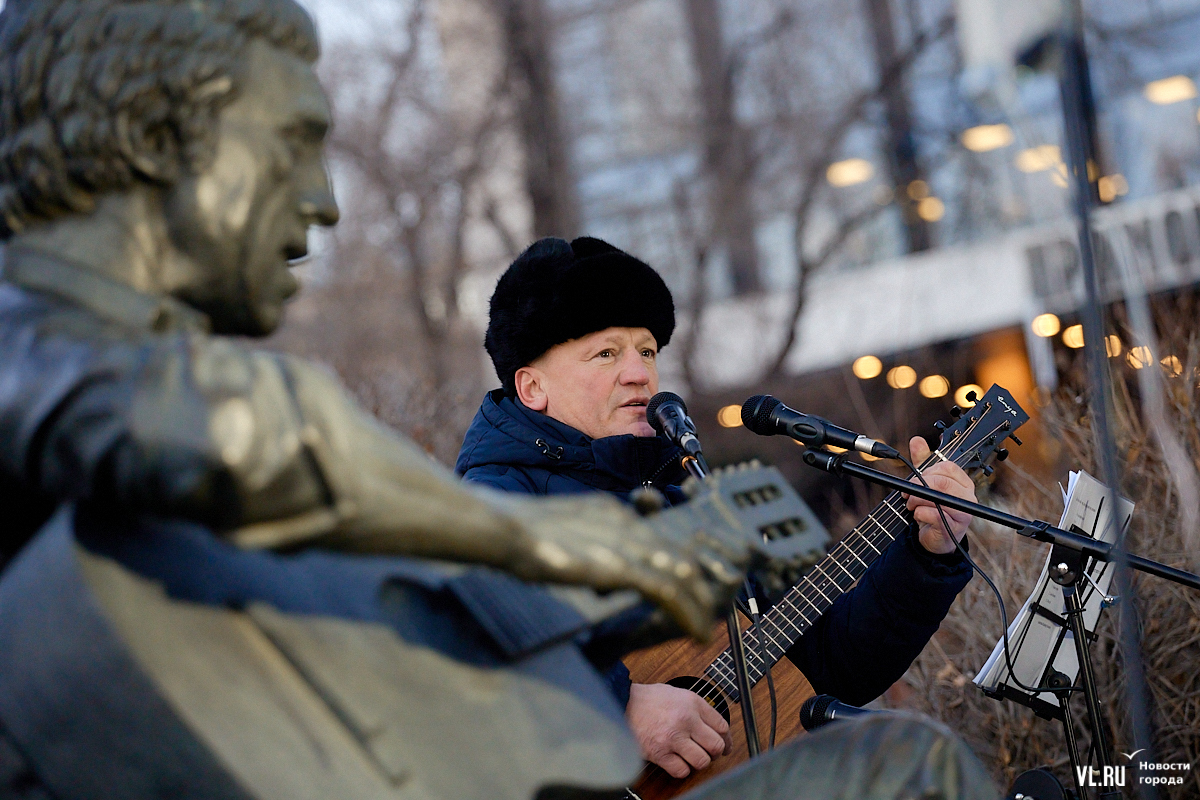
557 291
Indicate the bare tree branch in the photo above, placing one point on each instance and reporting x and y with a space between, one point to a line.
852 114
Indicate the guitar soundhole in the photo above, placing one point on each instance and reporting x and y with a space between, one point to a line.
706 689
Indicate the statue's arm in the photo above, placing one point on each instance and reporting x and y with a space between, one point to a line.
272 452
393 498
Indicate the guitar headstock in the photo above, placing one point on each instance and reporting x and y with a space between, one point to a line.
977 435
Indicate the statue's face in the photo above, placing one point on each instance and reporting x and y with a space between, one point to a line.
238 223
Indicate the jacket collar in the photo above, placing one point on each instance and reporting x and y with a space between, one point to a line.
507 432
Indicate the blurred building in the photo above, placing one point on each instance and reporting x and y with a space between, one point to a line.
998 288
836 164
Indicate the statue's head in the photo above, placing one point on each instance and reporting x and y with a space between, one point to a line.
213 104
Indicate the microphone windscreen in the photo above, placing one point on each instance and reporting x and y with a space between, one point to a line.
812 713
756 414
658 400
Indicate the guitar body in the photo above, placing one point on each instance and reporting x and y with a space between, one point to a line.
686 657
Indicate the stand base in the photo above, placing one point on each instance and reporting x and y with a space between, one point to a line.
1038 784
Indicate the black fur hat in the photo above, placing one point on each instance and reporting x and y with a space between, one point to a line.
556 291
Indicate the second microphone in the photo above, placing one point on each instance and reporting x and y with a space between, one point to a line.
767 416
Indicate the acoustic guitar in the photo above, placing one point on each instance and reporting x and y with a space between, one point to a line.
972 442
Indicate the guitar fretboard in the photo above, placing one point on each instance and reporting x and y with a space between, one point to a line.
805 602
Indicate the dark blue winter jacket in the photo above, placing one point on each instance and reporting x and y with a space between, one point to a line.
855 651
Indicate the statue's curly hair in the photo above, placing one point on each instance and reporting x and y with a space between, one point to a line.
91 90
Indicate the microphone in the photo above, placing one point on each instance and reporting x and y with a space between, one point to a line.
668 415
822 709
766 416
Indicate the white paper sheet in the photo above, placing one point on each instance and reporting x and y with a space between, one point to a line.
1036 638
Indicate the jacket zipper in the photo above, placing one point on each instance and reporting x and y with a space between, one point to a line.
650 482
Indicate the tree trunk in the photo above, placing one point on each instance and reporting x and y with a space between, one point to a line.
900 147
726 157
549 177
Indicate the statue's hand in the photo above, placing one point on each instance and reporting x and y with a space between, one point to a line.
688 560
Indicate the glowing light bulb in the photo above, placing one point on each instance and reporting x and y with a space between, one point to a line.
867 367
901 377
960 395
849 172
933 386
1170 90
983 138
1045 325
730 417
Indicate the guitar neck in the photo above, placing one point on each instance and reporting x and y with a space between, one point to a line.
804 603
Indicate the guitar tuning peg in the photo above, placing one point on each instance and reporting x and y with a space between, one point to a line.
1016 440
1001 454
988 469
956 412
941 426
972 396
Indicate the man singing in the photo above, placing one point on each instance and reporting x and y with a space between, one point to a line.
574 334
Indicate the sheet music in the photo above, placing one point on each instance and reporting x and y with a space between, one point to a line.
1036 637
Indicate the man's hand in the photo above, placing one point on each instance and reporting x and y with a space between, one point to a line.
675 728
944 477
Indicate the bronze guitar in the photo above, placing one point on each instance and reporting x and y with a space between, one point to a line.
971 442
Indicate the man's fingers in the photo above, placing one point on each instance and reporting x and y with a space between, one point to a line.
927 512
918 449
675 728
929 516
711 717
952 489
946 475
693 754
952 476
711 740
947 479
675 766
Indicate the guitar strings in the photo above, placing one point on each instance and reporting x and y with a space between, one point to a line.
833 557
711 692
721 670
810 581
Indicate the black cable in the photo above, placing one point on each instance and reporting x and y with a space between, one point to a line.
755 619
999 598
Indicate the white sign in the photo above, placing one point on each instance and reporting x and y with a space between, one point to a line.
907 303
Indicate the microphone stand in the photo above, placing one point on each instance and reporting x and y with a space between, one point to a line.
1033 529
698 469
1068 569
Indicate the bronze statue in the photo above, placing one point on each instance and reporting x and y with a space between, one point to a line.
160 163
189 612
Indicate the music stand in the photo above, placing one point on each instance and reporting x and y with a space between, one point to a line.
1041 638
